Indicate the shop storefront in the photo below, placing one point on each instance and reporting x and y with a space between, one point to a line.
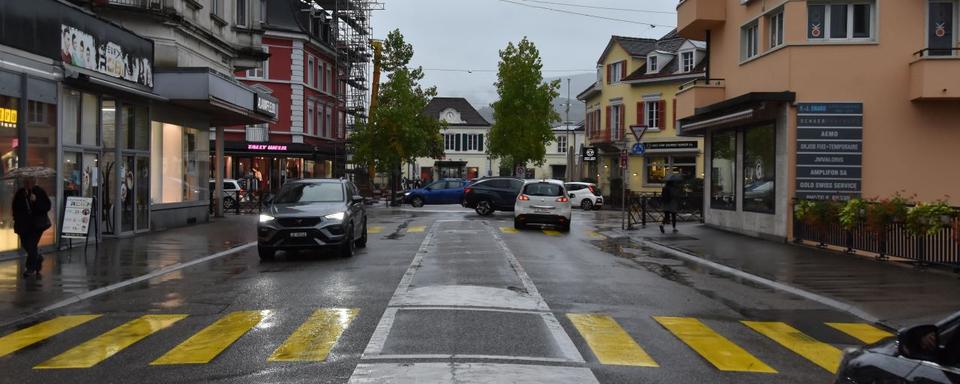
264 167
664 158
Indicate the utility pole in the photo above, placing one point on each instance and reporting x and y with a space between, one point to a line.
566 127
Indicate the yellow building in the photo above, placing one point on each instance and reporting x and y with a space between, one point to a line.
637 83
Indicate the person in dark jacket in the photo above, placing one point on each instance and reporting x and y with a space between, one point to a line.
670 199
30 220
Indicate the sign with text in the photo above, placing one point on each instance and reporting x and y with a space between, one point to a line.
76 217
829 151
589 153
266 147
670 145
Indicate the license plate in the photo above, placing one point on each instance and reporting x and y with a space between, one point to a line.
541 210
298 234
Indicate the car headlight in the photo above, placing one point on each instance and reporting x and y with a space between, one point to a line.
407 194
336 216
265 218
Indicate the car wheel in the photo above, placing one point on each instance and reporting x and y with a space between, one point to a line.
484 208
349 246
565 227
517 224
229 203
416 202
586 204
266 254
362 243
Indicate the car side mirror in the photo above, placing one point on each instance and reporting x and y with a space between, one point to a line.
920 342
357 199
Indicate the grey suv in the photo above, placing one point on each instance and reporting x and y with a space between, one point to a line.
313 214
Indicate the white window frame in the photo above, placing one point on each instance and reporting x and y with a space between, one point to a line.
616 72
616 131
850 16
749 40
686 67
956 19
561 144
775 23
259 73
653 64
310 69
651 115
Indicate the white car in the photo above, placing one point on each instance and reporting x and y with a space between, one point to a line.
542 202
584 195
230 189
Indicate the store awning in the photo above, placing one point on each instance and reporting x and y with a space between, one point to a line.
738 109
225 100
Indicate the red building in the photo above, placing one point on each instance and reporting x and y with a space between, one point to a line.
308 139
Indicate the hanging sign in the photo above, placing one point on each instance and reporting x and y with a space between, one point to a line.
589 153
76 217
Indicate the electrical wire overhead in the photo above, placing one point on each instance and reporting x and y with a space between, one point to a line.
598 7
521 3
494 70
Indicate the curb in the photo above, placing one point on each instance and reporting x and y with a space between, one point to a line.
126 283
833 303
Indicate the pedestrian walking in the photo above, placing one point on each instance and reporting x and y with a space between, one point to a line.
30 207
670 200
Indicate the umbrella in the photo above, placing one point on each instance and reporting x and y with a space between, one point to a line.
38 172
675 176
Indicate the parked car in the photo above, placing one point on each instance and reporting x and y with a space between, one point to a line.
313 214
542 202
443 191
920 354
492 194
584 195
230 189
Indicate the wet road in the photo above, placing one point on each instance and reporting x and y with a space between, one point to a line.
439 294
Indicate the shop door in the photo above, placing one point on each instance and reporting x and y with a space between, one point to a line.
134 193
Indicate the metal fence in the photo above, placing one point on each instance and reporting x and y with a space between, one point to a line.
648 208
895 240
241 202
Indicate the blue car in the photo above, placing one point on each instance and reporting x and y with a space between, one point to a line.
444 191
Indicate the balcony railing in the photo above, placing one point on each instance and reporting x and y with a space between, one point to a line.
937 52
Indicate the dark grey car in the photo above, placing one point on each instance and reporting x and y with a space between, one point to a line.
313 214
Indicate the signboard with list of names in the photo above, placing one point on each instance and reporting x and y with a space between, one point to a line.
76 217
829 151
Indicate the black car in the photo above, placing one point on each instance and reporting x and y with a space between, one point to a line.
313 214
920 354
492 194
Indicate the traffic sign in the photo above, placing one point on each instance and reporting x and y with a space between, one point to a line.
638 131
638 149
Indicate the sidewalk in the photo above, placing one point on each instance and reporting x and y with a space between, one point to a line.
69 273
897 294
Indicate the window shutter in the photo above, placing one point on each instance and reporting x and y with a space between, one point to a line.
640 113
609 122
623 70
623 118
662 114
480 142
674 106
609 73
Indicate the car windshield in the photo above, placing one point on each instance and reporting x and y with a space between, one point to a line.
310 193
543 189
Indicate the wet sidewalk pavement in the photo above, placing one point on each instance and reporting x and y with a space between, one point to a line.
76 271
897 294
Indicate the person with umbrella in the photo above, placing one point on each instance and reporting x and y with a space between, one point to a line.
670 200
30 208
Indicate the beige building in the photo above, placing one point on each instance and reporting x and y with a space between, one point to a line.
464 143
821 100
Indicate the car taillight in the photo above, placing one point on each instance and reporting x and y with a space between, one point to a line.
592 190
563 199
523 198
468 190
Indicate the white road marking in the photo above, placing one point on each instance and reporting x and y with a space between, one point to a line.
468 296
469 373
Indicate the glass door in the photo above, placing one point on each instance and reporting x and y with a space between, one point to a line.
127 193
142 187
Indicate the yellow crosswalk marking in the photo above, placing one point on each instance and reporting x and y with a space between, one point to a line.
316 337
609 342
820 353
108 344
509 230
417 229
863 332
595 234
374 230
718 350
204 346
550 232
37 333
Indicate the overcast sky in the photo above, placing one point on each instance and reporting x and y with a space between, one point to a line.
468 34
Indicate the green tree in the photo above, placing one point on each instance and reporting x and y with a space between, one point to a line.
524 111
398 130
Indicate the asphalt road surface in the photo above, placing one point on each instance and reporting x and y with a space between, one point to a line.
440 295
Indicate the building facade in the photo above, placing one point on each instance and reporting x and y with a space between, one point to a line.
308 138
560 153
821 100
464 140
637 82
88 98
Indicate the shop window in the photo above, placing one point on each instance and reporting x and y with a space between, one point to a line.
136 127
846 20
723 170
9 160
759 169
748 41
177 157
658 168
79 118
41 143
90 108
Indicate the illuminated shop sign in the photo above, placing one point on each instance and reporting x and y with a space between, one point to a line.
266 106
266 147
8 118
107 57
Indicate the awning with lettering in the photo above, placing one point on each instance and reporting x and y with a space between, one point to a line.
225 100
